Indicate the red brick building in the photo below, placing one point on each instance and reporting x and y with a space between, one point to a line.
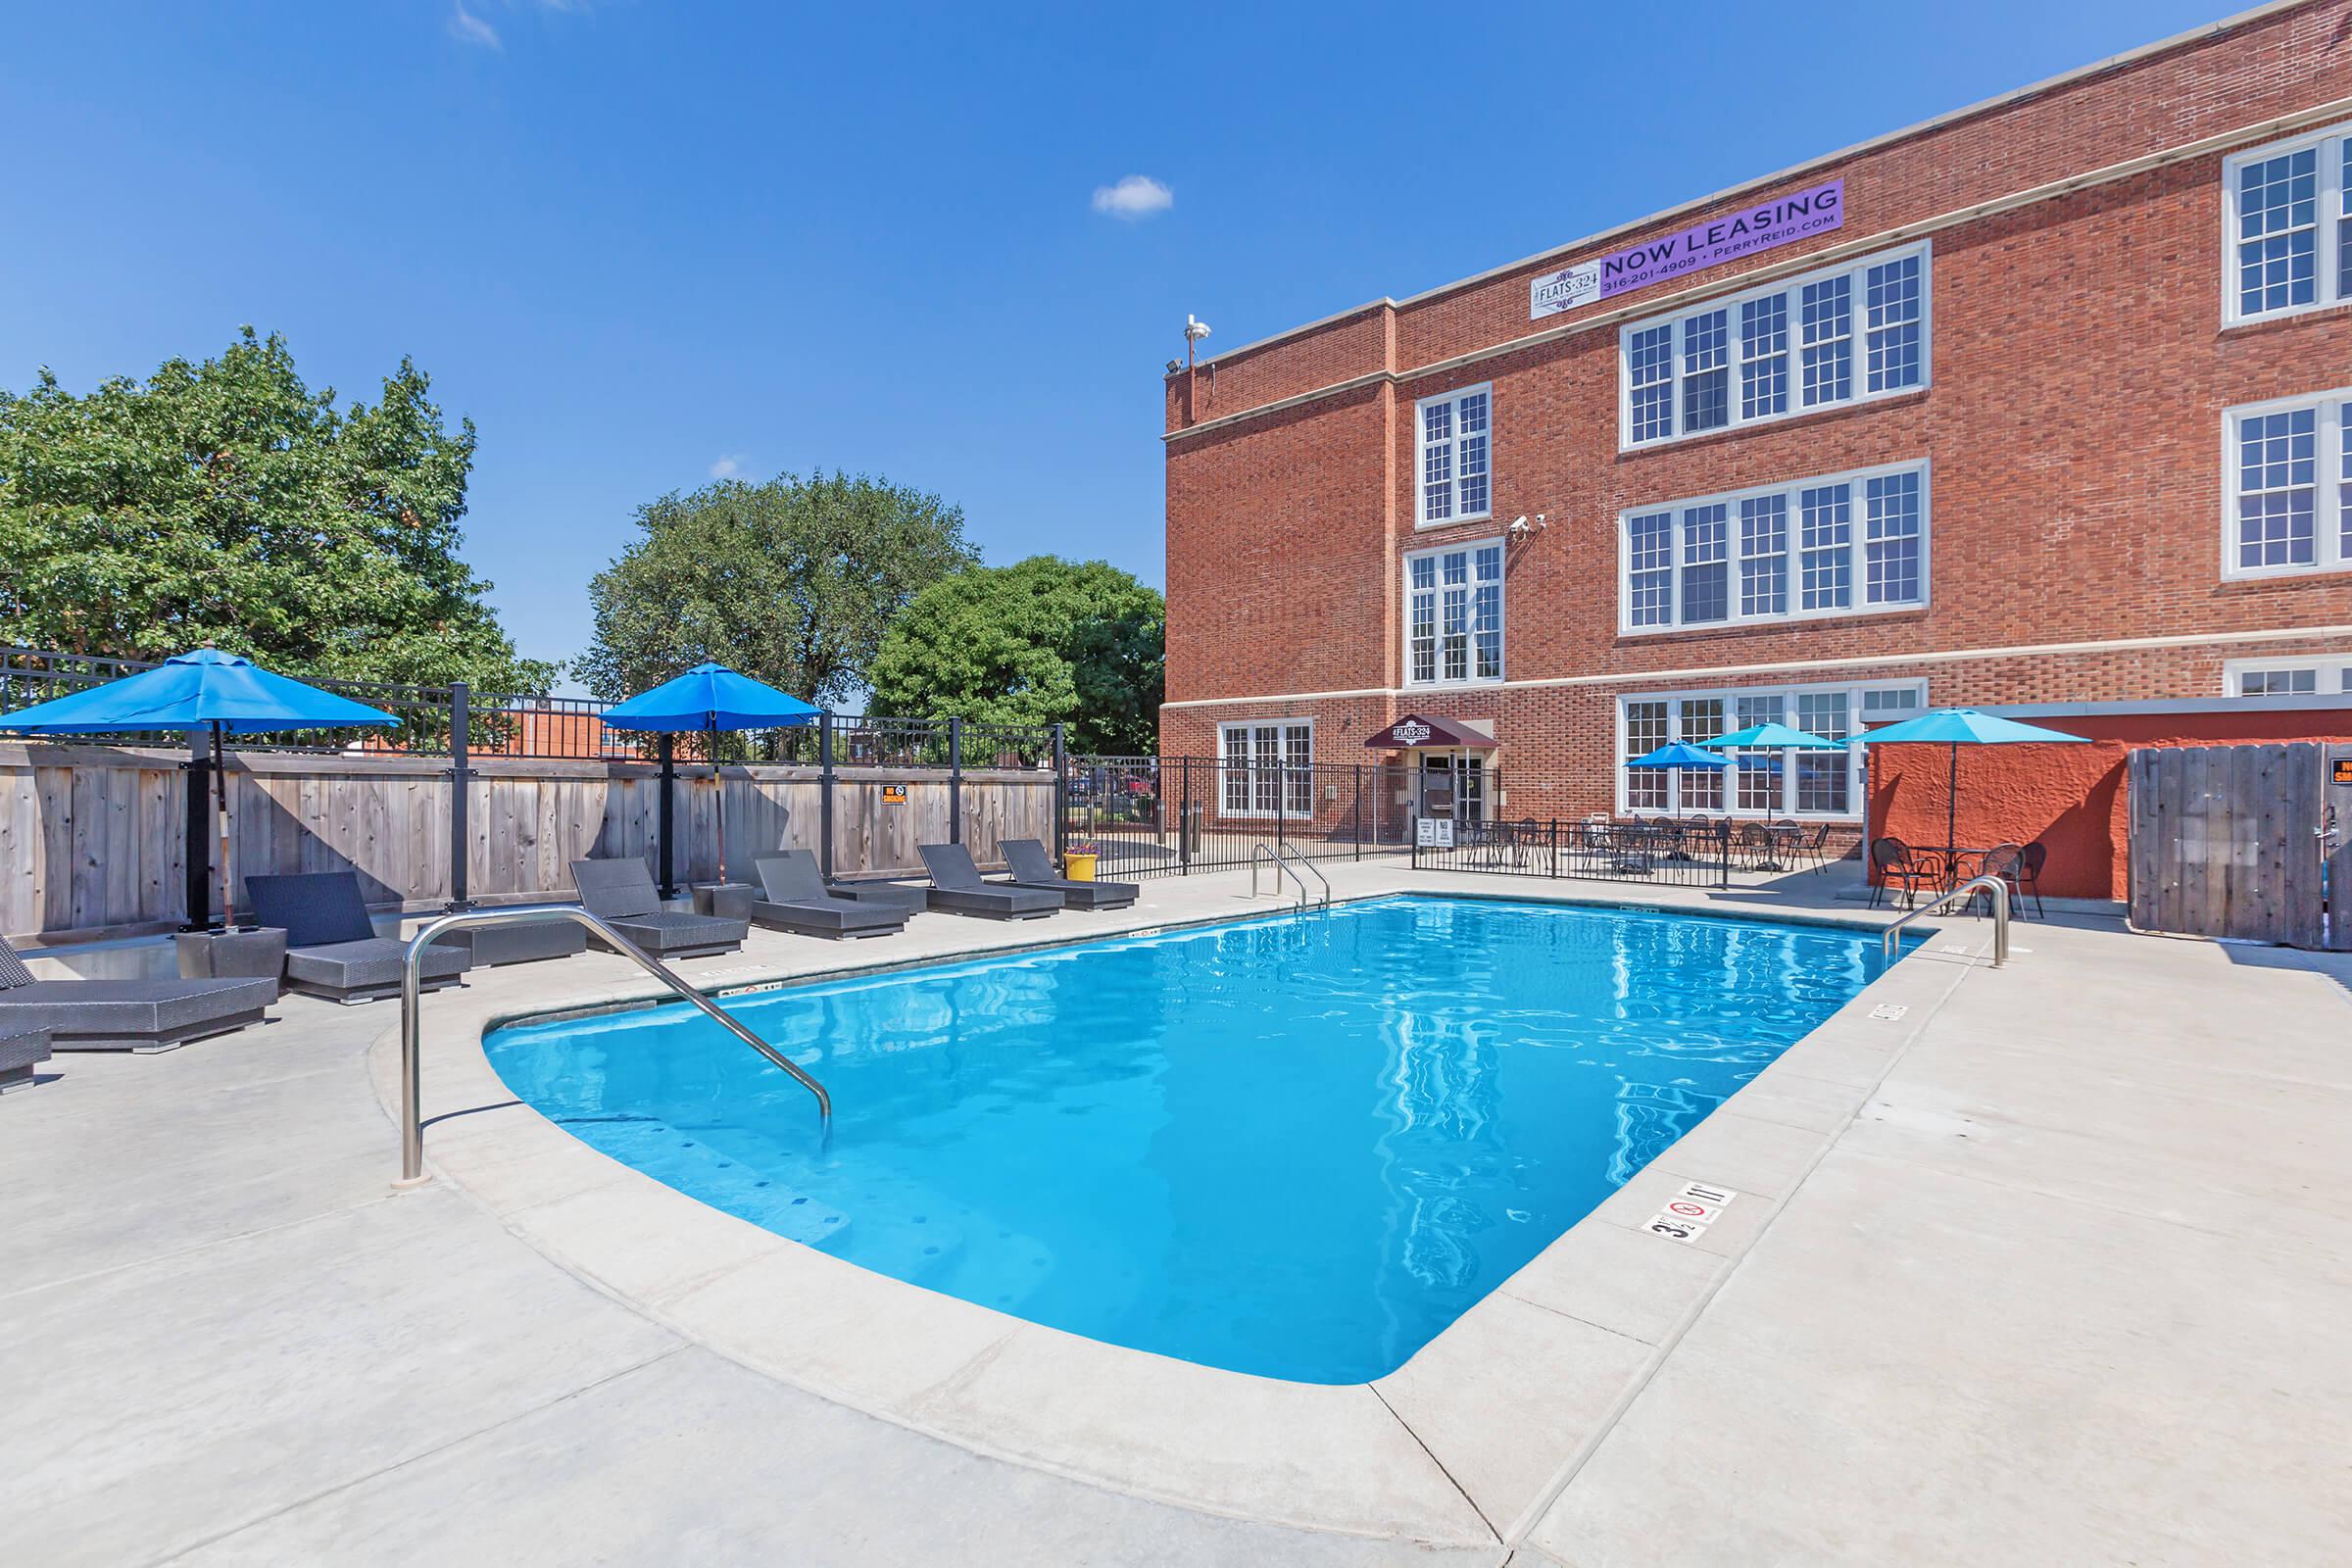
2046 399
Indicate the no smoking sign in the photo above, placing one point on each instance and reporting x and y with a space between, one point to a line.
1689 1212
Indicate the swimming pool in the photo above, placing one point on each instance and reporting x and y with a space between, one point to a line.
1298 1145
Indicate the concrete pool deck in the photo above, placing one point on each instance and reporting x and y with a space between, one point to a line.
2044 1270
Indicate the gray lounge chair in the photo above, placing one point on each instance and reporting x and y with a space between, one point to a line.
913 898
797 901
21 1051
623 892
333 949
1032 868
957 888
124 1014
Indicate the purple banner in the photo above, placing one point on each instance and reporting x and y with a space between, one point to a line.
1761 227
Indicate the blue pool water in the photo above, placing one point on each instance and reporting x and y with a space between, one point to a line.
1297 1147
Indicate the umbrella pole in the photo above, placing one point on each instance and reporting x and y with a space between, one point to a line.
720 802
220 789
1951 819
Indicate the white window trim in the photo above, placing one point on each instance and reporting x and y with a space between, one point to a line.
1794 287
1503 599
2329 671
1731 498
1857 778
1224 766
2333 430
1421 519
2331 208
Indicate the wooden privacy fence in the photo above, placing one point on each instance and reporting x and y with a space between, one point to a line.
93 838
2227 841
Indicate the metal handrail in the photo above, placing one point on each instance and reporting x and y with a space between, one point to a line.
1266 855
412 1122
1966 890
1283 851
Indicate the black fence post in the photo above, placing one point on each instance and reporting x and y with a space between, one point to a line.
666 813
1555 846
1723 850
955 781
1184 823
1359 811
824 794
460 784
1062 793
198 852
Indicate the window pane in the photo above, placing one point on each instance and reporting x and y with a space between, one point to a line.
1649 555
1764 357
1422 637
1650 358
1826 539
1453 615
1645 732
1702 787
1760 773
1822 777
1827 325
1891 547
2278 233
1471 454
1764 556
1706 372
1437 461
1488 629
1706 564
1894 310
2276 488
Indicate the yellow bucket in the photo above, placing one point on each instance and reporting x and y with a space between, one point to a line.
1078 866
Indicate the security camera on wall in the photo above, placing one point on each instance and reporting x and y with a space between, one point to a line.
1522 529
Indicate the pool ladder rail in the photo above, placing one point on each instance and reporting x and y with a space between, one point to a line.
1285 861
1965 891
412 1122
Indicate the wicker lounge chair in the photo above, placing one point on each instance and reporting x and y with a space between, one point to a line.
957 888
21 1051
333 949
797 901
124 1014
1032 868
622 892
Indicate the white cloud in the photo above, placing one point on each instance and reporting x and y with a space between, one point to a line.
728 467
467 27
1133 198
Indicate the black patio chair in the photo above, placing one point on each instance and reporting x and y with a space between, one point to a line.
1033 867
1897 866
2019 865
796 900
333 949
2000 862
119 1014
623 892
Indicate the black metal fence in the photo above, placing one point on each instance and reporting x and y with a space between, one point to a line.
1149 816
1693 853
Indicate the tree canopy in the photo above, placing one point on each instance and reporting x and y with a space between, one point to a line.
790 581
1039 642
227 503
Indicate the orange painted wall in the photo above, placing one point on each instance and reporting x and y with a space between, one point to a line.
2071 798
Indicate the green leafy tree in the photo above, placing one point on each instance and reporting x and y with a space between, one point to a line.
790 581
1040 642
227 503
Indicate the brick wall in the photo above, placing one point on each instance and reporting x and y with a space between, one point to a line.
2074 432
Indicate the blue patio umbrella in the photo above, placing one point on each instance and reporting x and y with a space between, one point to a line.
1677 754
1772 737
1956 728
202 690
710 697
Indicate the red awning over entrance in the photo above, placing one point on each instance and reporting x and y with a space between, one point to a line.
1416 730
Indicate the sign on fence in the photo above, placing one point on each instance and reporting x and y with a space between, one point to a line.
1433 832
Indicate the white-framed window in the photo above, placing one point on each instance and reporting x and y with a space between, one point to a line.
1454 614
2286 486
2293 675
1455 456
1842 545
2286 241
1265 768
1766 783
1842 335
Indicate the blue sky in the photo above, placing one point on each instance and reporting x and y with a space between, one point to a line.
640 243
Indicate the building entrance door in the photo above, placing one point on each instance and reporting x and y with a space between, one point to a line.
1450 784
